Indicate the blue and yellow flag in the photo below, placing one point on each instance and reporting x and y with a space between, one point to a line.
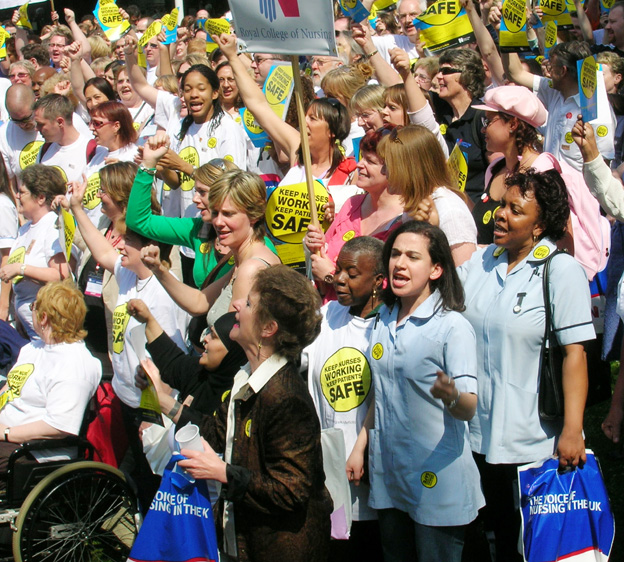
588 88
556 10
513 28
444 25
170 23
107 14
354 9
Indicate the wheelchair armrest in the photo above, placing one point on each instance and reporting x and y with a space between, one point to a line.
41 444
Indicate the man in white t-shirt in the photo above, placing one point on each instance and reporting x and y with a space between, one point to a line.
19 139
560 96
407 10
65 146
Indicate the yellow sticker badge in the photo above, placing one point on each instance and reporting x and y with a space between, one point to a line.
248 428
541 252
121 317
28 154
487 217
602 131
377 352
17 256
348 235
191 156
212 142
205 247
458 165
346 379
428 479
498 251
16 379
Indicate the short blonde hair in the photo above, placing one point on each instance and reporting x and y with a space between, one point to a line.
368 97
415 164
344 81
247 192
99 47
64 305
210 172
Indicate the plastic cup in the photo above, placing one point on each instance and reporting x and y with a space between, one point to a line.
188 438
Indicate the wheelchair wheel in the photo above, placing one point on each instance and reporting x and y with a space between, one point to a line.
82 512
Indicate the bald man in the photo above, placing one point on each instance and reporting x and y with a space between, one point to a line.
19 139
40 76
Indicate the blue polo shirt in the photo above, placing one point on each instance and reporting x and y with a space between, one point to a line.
419 455
507 313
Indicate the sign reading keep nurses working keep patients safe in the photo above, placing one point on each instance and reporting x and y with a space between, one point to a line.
295 27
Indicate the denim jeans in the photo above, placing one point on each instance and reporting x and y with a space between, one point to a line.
404 540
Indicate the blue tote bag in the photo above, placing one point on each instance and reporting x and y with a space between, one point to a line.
179 526
565 515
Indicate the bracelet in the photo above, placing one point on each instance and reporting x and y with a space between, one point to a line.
455 401
23 269
150 171
174 410
371 55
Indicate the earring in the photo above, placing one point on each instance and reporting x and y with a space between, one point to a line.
535 240
259 349
374 295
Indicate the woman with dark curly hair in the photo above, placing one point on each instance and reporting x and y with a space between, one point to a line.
505 305
273 504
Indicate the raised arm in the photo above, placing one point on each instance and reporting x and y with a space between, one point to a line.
79 36
100 248
193 301
137 78
281 133
385 74
487 46
74 52
21 37
515 72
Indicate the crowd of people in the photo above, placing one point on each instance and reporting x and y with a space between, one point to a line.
416 325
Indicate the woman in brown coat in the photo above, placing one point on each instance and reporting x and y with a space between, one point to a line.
273 503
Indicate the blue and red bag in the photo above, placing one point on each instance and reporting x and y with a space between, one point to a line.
567 515
179 526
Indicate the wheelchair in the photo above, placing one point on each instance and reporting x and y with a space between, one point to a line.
67 510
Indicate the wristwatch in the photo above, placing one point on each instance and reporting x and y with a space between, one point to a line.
329 278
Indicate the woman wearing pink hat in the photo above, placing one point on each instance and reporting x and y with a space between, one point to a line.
512 115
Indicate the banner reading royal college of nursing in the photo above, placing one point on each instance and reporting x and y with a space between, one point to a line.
295 27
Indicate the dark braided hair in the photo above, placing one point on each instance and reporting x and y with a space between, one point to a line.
213 80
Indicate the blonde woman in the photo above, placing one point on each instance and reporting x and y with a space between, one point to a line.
417 169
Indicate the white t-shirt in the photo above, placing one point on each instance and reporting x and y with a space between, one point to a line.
92 203
455 220
35 245
126 358
60 380
140 114
70 159
9 222
202 143
5 84
19 148
340 382
383 43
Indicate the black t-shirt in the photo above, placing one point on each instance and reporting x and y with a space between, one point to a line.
595 49
467 130
484 209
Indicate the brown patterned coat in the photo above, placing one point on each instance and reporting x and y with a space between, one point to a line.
276 480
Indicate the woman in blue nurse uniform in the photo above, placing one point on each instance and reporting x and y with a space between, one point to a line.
424 481
505 305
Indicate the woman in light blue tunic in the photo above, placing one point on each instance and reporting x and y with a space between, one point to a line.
424 481
505 306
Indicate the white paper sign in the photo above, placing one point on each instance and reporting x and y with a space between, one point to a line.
292 27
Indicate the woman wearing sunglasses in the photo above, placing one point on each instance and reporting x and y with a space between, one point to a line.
111 125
